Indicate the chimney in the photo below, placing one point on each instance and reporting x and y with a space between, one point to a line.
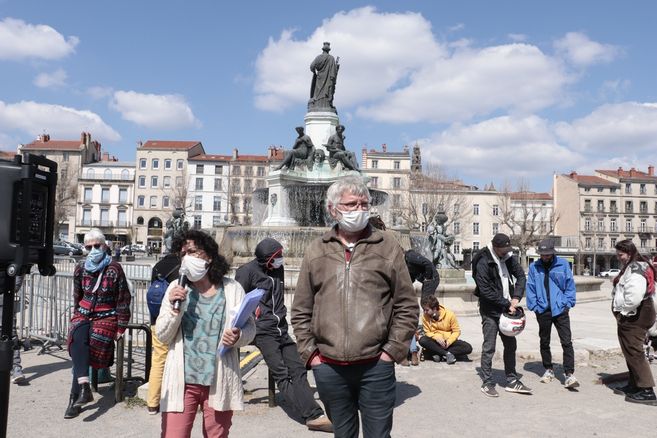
235 153
83 138
632 172
384 147
619 171
651 170
139 144
573 174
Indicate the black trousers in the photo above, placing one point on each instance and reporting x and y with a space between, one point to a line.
289 372
429 286
631 335
458 348
562 324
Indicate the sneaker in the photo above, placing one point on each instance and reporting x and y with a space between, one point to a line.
644 396
436 358
625 390
548 376
17 376
153 410
320 424
450 359
489 390
571 382
405 363
518 387
414 359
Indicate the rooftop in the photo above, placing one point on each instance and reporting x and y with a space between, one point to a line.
533 196
169 144
590 180
631 174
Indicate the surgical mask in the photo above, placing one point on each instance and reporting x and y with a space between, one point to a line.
193 268
96 255
277 262
353 221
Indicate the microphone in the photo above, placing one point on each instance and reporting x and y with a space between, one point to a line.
183 282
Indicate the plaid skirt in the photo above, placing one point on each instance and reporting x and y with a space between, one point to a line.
101 339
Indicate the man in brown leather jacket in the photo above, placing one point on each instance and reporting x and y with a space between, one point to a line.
354 313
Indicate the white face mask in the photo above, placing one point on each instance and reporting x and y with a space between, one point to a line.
193 268
353 221
277 262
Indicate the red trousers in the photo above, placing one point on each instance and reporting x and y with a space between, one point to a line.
216 424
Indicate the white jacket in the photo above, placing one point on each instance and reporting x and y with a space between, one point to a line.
226 390
630 289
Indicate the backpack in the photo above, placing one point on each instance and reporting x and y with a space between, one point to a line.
156 292
650 280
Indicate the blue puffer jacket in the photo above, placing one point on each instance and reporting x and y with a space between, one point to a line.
562 287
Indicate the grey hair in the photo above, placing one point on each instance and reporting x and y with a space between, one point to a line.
349 184
94 235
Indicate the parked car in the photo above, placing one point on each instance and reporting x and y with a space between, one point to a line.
135 248
610 273
60 248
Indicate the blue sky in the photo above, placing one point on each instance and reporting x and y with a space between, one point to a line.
492 91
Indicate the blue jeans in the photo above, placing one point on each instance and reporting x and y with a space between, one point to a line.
368 388
413 345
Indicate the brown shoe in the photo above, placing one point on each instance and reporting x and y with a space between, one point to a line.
320 424
415 361
405 363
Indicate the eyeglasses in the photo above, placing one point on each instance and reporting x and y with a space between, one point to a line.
95 245
351 206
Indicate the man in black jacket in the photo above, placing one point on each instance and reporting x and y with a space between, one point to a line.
422 270
278 349
500 284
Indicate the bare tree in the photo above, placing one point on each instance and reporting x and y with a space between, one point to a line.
180 194
66 195
526 216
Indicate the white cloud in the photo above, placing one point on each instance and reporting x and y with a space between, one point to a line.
54 79
158 111
20 40
499 148
98 92
377 52
613 129
581 51
517 37
59 121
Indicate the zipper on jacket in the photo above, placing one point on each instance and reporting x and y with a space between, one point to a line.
345 309
273 306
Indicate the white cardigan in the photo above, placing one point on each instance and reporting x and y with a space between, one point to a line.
630 289
226 390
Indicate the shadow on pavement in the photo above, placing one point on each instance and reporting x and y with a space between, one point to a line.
405 391
34 372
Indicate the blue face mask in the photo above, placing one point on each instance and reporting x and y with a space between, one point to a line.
95 255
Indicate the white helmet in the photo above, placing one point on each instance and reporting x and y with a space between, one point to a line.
513 325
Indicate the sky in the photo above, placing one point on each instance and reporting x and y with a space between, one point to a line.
502 91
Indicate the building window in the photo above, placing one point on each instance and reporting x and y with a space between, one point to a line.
628 188
600 190
197 222
237 171
613 242
601 242
166 182
475 209
216 221
123 221
601 225
65 157
374 182
86 217
375 164
199 169
601 205
587 243
165 201
247 186
496 210
153 201
142 182
628 225
217 184
456 248
153 181
642 189
628 207
587 224
179 181
235 204
247 205
142 163
123 195
475 228
587 189
167 164
216 204
260 184
237 186
396 183
261 171
457 209
125 174
248 171
199 184
396 200
396 165
643 226
218 169
107 174
587 205
104 217
155 163
179 164
457 227
198 203
141 200
643 207
475 246
496 228
612 207
88 194
613 226
104 195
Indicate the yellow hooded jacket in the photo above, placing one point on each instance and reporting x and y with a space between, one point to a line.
446 327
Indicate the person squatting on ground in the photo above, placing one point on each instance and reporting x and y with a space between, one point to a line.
634 311
551 294
354 313
266 272
194 374
494 268
101 299
441 332
166 269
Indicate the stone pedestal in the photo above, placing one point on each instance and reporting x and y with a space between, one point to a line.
320 126
277 203
451 276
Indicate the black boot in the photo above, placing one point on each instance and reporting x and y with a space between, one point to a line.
72 411
85 395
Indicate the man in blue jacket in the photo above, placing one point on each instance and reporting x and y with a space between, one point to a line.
551 294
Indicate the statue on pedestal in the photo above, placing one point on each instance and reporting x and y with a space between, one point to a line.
302 152
439 243
325 74
175 226
338 153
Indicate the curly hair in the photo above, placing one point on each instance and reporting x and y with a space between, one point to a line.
429 301
219 266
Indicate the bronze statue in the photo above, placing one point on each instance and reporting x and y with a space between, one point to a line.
440 242
325 74
302 152
175 226
338 153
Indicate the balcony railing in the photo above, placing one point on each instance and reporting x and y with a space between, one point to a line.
613 209
104 224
